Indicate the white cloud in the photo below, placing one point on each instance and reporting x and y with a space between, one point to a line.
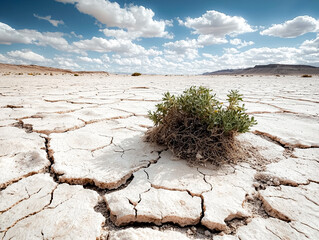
311 44
27 55
217 24
55 23
137 20
206 40
90 60
239 43
9 35
119 33
122 46
189 48
128 61
230 50
24 56
76 35
293 28
182 48
105 58
66 63
4 59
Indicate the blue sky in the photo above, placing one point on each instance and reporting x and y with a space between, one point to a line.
161 37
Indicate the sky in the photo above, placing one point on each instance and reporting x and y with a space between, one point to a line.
159 36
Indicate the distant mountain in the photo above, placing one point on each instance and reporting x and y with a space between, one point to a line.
270 69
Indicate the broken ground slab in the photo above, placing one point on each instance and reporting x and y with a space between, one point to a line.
175 174
296 205
104 154
172 191
290 171
226 199
258 107
265 228
21 154
99 113
139 202
16 113
290 130
38 208
54 123
300 168
140 109
296 105
146 233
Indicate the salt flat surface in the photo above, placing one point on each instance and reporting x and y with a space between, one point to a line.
74 164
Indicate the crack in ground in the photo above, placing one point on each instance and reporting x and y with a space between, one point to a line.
273 233
50 157
298 99
176 190
272 211
31 214
21 200
281 142
310 226
204 178
299 231
26 127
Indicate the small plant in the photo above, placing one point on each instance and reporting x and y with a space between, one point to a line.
306 75
199 128
51 74
75 74
136 74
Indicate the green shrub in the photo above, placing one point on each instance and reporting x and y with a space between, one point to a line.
136 74
75 74
198 127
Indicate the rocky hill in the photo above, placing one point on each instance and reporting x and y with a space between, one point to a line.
270 69
12 68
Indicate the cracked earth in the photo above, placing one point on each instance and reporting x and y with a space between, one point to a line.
73 163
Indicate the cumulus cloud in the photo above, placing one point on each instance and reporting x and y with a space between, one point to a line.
90 60
119 33
311 44
137 20
122 46
182 48
128 61
293 28
27 55
206 40
24 56
189 48
55 23
239 43
217 24
9 35
66 63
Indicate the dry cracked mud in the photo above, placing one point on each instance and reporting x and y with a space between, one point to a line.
74 165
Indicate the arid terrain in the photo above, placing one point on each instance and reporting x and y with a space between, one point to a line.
270 69
73 163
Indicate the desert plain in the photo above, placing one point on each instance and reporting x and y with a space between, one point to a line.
74 165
